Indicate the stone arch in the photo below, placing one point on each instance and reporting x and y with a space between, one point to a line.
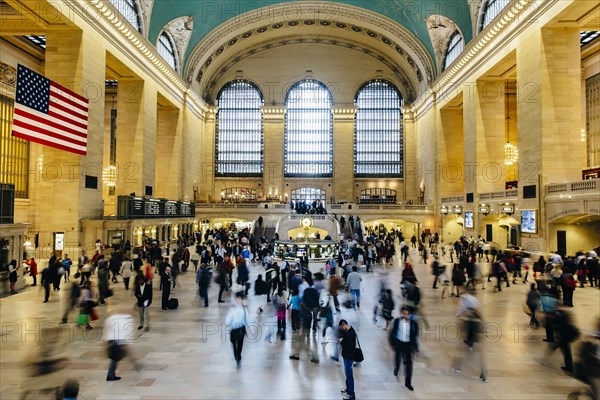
261 29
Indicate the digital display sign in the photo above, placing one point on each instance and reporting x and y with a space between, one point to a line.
132 207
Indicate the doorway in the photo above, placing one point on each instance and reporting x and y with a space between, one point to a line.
561 242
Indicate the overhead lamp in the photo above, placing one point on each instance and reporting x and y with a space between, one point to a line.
109 176
508 208
484 209
444 210
457 209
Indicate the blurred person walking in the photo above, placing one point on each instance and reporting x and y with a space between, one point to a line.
143 294
118 334
236 321
403 339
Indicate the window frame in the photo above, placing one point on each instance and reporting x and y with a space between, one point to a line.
172 51
134 7
377 153
290 142
488 5
451 49
218 132
14 152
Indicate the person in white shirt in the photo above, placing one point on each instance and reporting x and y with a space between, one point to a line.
556 258
403 338
353 281
237 321
118 333
126 271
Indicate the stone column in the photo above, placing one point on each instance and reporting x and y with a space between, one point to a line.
549 106
410 167
76 60
343 154
168 153
136 137
207 156
451 151
484 137
274 128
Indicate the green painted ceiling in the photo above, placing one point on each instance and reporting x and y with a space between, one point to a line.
208 14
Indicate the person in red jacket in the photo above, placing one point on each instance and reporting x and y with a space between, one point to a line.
32 270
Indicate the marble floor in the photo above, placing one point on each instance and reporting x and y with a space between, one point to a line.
187 354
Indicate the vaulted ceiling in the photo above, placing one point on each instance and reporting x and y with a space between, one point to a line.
397 33
209 14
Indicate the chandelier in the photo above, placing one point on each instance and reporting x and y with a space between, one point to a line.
511 153
109 176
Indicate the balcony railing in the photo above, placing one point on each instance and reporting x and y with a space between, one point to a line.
503 194
455 199
577 187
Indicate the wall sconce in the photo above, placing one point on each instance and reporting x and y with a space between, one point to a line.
508 208
484 209
457 210
444 210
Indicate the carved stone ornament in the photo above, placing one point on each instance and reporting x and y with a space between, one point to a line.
8 75
181 30
440 30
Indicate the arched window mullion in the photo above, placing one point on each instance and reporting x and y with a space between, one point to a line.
491 9
130 10
166 49
239 131
455 47
308 149
378 146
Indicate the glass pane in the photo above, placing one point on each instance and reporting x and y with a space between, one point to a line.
239 141
455 48
14 152
308 130
491 10
129 11
378 131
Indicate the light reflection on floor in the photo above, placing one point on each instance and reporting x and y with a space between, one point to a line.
187 354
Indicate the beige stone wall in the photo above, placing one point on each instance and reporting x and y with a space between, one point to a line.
580 237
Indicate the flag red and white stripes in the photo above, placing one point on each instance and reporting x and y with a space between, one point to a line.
49 114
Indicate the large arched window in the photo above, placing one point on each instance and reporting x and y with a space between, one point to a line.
166 49
378 131
130 11
308 130
239 139
456 45
491 9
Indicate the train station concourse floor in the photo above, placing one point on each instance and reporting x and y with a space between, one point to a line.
186 354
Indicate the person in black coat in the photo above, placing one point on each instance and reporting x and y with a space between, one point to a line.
403 339
143 294
165 282
47 279
348 341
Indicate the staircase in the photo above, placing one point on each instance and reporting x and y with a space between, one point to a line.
269 233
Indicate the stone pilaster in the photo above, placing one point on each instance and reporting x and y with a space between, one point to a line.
343 153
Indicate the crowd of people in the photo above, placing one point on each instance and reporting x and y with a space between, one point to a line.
304 302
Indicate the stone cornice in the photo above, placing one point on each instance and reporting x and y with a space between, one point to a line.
494 38
102 17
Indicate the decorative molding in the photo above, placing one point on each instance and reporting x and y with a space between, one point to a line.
474 8
480 49
350 18
181 31
408 89
8 75
146 11
440 30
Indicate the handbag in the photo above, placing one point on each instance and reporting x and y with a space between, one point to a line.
358 354
82 319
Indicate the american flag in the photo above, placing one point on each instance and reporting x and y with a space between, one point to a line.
49 114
